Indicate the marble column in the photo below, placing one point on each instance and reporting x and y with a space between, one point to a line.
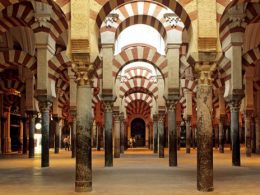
234 105
126 136
56 120
151 136
161 135
248 132
204 132
253 135
73 126
99 137
94 135
221 134
83 182
155 133
24 120
216 136
146 136
188 134
116 135
122 133
45 105
172 133
257 131
31 118
108 134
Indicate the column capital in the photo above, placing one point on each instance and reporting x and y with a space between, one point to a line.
42 15
155 117
171 104
116 115
234 105
108 106
45 102
205 72
84 72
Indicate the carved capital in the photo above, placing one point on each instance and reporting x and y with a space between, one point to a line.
155 117
45 106
42 15
171 105
205 73
234 104
108 106
237 16
84 73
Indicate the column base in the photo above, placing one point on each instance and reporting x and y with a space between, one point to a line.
209 189
45 164
187 150
83 186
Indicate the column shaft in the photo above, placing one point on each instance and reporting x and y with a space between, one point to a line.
122 134
57 135
248 134
99 137
221 134
116 136
31 134
204 138
161 137
235 142
172 135
83 181
45 108
24 119
155 135
108 135
188 134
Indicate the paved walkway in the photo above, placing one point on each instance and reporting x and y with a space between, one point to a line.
137 172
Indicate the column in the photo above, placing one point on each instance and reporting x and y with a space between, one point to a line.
122 133
7 138
216 136
155 133
234 105
84 122
94 135
221 134
1 122
253 135
116 135
45 105
56 120
257 130
248 132
146 136
161 135
99 137
151 136
188 134
108 134
204 130
172 133
24 120
126 136
31 118
73 126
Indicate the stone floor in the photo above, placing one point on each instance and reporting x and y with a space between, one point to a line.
137 172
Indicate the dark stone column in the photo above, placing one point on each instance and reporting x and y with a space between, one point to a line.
56 120
24 119
73 126
122 133
116 135
188 134
151 136
155 133
204 132
172 133
161 134
31 118
234 105
45 105
253 135
83 181
99 137
221 134
216 136
248 132
108 133
126 138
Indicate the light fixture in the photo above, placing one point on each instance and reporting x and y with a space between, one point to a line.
38 126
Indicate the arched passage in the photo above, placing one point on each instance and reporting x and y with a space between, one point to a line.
138 132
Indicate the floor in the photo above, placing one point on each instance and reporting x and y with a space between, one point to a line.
138 172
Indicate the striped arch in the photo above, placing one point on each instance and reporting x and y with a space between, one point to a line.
16 15
138 72
224 68
251 57
172 4
57 64
138 107
58 21
140 53
12 58
7 84
138 96
252 16
138 83
189 84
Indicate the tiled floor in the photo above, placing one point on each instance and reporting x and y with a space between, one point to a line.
136 172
